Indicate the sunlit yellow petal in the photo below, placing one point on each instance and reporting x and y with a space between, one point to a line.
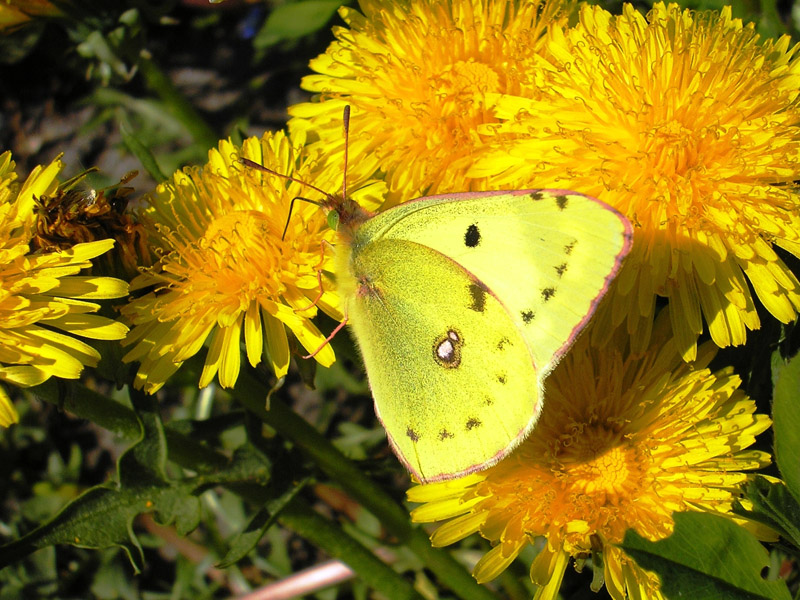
253 338
91 326
277 344
92 287
8 414
552 578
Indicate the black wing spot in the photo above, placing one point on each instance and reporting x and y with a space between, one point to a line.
562 201
536 196
445 435
472 423
502 378
527 316
501 345
561 269
570 247
478 294
412 435
488 401
473 236
548 293
447 349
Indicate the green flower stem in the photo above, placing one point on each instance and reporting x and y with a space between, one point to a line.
182 109
303 520
121 420
252 394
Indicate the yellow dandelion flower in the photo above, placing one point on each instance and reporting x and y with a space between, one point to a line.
623 441
686 123
44 301
225 270
417 75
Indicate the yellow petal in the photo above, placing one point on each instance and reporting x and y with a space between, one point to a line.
8 414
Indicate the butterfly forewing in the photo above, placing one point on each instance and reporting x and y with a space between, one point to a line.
547 255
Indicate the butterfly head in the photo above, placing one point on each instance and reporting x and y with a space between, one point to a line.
344 215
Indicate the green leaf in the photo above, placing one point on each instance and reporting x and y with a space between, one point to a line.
786 418
774 506
706 557
295 20
146 461
100 518
142 152
103 516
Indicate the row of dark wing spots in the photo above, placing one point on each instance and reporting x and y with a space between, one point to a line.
561 199
561 269
570 247
444 434
478 295
529 315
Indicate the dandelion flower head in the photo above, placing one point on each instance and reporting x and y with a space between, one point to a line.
687 123
417 75
226 268
623 441
44 301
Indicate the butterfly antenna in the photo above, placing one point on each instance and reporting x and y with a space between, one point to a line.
254 165
346 121
291 208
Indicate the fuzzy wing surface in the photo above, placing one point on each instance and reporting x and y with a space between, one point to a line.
453 379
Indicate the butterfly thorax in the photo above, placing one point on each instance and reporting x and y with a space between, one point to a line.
348 217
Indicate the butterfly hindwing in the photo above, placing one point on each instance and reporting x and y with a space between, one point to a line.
453 379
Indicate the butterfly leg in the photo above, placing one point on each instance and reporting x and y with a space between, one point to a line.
329 338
